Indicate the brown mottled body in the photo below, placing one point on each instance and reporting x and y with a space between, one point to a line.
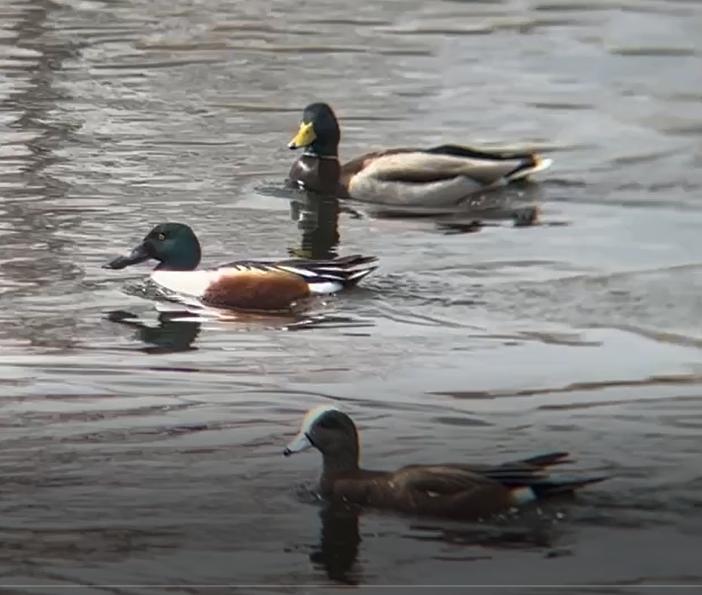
455 490
256 291
416 490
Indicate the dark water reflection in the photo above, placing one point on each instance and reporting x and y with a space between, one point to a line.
170 335
317 219
339 544
141 449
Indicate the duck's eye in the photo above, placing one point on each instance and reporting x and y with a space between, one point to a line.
161 236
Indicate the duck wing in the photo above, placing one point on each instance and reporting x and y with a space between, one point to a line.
446 490
323 276
484 154
432 165
520 472
473 490
533 472
439 177
444 480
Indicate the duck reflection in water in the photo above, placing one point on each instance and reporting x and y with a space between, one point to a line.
317 218
338 547
171 335
518 205
528 530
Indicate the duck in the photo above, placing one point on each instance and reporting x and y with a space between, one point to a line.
242 285
456 490
438 177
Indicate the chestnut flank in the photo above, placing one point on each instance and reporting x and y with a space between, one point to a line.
256 291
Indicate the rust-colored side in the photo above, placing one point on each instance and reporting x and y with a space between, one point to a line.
256 291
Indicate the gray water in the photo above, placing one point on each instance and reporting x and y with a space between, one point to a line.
141 453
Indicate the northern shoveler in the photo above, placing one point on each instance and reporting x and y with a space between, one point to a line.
243 285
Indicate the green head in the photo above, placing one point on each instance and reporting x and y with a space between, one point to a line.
319 132
174 245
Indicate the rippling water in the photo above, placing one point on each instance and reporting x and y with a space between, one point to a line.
138 452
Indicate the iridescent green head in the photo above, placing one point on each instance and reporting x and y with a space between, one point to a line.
174 245
319 132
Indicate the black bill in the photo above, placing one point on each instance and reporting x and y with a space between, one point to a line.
136 256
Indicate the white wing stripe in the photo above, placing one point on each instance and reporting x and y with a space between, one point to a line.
296 271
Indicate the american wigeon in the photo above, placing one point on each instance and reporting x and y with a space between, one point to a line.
464 491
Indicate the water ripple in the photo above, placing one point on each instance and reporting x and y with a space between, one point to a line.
582 333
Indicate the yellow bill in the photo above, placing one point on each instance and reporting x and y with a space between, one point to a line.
304 137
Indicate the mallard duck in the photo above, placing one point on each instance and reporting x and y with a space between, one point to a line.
244 285
453 489
440 177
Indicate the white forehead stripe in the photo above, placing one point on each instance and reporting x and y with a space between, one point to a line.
313 415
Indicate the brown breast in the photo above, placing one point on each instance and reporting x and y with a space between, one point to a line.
319 175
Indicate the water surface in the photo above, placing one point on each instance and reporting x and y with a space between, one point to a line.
138 452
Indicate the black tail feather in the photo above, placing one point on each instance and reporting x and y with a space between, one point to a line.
353 260
533 472
556 486
547 459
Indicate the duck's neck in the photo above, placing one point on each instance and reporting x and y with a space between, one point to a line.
323 150
178 265
339 464
182 258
